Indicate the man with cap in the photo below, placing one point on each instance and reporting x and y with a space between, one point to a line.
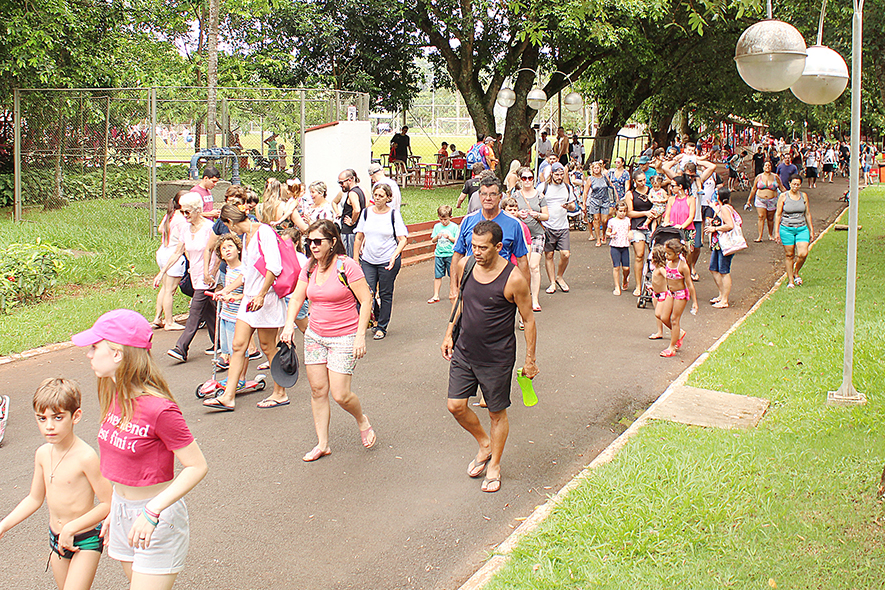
377 176
560 200
649 172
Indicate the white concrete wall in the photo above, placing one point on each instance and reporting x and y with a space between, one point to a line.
329 150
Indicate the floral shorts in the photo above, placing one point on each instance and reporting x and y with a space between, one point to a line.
335 352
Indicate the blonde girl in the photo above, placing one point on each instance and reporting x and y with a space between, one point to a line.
141 434
658 286
511 181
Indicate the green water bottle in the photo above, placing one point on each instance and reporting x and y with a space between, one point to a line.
529 398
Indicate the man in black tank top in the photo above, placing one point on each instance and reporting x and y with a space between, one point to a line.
354 202
485 352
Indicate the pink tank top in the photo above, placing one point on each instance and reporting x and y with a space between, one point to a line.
679 211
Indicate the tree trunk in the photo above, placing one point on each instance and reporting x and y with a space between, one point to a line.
212 73
659 125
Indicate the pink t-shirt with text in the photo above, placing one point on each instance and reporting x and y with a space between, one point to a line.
208 201
332 305
141 454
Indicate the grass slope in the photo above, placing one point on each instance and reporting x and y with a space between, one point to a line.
789 504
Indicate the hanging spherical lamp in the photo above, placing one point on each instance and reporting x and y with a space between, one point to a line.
536 98
506 97
573 101
770 55
824 79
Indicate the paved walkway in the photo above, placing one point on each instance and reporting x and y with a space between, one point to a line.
404 514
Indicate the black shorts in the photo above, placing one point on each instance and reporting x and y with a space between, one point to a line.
732 173
496 381
707 212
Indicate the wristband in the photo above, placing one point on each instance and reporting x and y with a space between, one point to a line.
152 514
152 521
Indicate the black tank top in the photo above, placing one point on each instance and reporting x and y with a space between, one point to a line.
487 324
347 210
641 202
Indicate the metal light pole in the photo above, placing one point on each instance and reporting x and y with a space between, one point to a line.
847 394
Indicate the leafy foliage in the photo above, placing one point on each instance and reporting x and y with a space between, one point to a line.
27 272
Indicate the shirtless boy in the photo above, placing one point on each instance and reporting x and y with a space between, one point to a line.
66 474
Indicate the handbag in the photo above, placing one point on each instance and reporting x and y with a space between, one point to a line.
285 282
733 240
456 322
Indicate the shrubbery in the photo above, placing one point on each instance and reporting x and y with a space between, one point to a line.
27 271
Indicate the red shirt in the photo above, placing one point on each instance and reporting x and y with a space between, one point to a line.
208 201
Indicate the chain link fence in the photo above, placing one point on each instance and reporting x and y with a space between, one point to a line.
73 145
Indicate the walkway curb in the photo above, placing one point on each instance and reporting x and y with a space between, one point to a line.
503 551
34 352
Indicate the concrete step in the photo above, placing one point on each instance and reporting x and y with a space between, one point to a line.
417 259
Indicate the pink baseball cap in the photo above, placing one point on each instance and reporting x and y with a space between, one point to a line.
122 326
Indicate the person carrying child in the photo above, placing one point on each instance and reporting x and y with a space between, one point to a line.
680 288
618 233
444 235
142 432
67 475
658 196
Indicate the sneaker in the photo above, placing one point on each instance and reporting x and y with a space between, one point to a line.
254 355
222 365
177 355
798 281
4 414
210 351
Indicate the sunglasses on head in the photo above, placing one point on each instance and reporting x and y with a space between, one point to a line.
315 241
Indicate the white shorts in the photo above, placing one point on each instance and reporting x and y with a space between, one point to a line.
163 254
168 549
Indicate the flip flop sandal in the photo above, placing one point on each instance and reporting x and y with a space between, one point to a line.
562 286
214 404
655 336
679 342
477 469
364 436
551 289
314 454
269 403
491 485
667 353
433 300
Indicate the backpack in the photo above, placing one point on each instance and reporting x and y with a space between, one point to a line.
285 283
474 154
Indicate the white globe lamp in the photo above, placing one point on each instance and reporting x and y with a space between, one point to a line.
824 79
573 102
506 97
536 98
770 55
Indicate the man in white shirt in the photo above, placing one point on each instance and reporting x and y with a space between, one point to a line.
544 148
377 176
560 200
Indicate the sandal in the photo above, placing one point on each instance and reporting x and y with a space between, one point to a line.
379 335
433 300
562 285
679 342
477 469
667 353
551 289
720 305
491 485
655 336
695 277
368 437
215 404
316 453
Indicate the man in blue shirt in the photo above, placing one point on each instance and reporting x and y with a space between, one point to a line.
513 242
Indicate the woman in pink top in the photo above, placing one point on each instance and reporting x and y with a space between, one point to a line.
680 209
336 335
194 237
141 434
170 232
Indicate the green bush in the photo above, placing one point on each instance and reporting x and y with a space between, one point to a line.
27 271
7 190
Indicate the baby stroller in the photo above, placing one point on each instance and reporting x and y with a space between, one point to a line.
743 181
261 162
576 218
659 236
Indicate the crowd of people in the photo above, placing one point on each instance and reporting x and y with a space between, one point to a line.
260 267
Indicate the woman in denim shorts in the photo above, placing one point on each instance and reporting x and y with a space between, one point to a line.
340 307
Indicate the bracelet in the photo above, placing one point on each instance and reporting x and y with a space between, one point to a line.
152 521
151 513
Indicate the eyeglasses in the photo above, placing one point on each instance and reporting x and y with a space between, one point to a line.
186 211
315 241
527 177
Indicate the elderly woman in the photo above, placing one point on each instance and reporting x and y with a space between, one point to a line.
193 239
795 228
260 309
763 195
381 237
532 211
170 232
319 207
336 334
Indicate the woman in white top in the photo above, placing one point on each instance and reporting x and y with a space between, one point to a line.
381 237
260 310
170 231
194 236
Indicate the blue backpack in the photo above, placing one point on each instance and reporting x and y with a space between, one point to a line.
474 155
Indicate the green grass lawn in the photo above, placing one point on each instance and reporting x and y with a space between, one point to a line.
789 504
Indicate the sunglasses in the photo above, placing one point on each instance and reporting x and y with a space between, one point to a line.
527 177
315 241
341 182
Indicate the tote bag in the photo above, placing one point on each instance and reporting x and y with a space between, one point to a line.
732 241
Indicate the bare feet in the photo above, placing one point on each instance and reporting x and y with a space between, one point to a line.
636 292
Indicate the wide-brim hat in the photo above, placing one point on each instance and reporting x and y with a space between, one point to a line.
284 367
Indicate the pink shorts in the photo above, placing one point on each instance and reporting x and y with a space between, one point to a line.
680 294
